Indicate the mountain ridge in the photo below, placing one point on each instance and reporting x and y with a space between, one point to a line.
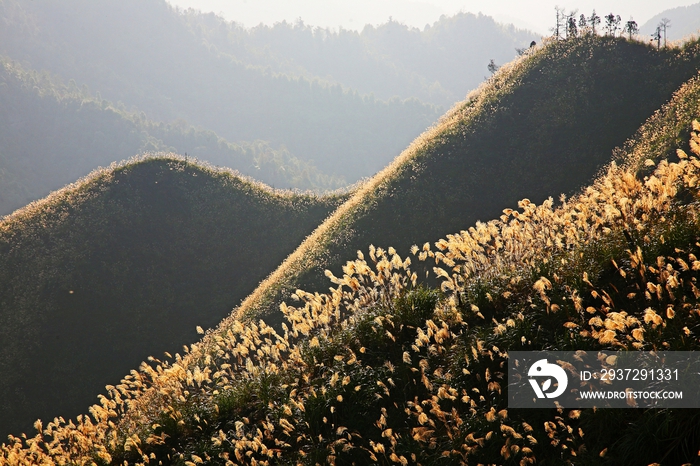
144 55
443 65
547 146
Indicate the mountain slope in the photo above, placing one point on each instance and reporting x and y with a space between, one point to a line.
142 53
52 134
125 264
384 370
540 127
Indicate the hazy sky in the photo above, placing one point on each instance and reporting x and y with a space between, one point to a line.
536 15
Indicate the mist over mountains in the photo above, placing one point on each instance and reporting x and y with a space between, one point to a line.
684 21
52 134
343 103
439 64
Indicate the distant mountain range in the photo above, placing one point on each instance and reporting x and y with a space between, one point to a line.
52 134
684 21
344 103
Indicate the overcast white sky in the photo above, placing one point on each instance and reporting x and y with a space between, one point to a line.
536 15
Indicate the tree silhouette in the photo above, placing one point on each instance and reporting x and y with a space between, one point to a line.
582 23
663 25
631 28
612 24
657 37
594 20
571 27
492 66
561 22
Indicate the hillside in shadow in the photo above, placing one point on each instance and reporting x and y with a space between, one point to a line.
126 264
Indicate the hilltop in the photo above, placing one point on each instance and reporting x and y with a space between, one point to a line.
145 55
386 369
125 264
540 127
52 134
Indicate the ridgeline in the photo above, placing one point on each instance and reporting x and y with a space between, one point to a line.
144 54
542 126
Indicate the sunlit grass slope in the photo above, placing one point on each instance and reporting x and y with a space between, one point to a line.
386 370
541 126
125 264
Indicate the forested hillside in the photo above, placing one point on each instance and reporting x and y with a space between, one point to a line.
439 64
543 126
145 55
385 369
52 134
125 264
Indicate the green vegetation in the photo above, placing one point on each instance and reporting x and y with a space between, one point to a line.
145 55
541 126
125 264
385 370
52 134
